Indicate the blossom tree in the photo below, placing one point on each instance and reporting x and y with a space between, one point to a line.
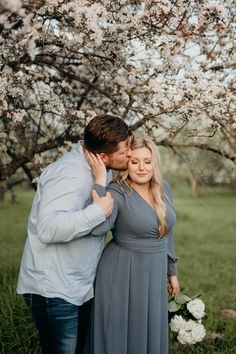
166 67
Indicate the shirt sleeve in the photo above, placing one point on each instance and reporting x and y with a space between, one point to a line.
60 217
172 267
118 198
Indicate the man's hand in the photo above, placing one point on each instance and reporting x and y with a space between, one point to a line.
106 203
98 168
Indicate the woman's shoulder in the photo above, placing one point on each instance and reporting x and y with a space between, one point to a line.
118 192
117 187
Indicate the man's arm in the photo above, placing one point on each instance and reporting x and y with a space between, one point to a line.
59 218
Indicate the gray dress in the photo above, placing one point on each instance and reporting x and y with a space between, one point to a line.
130 313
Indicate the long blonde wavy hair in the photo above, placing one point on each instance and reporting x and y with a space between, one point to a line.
156 183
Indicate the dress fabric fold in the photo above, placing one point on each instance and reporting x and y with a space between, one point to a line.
130 313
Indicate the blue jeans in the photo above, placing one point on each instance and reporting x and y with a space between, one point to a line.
57 323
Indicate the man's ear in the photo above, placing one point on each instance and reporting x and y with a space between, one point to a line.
104 157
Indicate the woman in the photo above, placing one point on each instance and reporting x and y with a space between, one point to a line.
130 308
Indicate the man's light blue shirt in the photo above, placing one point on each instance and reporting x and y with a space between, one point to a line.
57 261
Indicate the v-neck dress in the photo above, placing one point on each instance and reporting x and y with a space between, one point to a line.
130 314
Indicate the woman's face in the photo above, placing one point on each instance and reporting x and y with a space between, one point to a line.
140 167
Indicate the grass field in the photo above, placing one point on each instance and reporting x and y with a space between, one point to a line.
205 239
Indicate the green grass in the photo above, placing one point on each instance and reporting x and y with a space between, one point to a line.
205 243
17 331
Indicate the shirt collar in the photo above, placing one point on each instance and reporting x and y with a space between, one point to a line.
80 151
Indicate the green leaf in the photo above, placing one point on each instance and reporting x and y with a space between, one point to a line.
181 298
173 306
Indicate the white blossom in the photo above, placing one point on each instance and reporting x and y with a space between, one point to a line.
11 5
216 8
160 63
233 126
17 116
192 333
38 159
177 323
196 307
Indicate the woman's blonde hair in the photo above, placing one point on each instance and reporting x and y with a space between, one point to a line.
156 181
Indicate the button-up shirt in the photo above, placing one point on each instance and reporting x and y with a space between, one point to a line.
57 261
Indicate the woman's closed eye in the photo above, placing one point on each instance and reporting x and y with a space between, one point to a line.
147 162
134 162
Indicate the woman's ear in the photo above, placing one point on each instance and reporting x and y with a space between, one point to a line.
104 157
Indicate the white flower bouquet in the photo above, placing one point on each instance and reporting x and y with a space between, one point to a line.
185 318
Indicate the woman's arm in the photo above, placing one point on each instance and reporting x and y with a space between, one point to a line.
172 268
172 260
173 283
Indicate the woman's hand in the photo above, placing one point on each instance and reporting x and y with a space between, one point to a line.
98 168
173 285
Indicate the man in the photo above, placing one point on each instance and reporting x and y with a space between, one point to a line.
60 258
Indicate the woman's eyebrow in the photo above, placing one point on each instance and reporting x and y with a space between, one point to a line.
138 158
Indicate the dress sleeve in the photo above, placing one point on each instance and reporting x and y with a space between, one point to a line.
172 267
118 197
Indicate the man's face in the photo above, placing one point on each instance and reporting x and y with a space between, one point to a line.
118 160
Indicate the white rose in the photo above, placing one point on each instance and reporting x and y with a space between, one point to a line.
177 323
199 332
192 333
185 337
196 308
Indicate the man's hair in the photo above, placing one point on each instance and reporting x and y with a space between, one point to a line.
104 133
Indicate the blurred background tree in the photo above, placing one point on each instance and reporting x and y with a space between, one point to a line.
166 67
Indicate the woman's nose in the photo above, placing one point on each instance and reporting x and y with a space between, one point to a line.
141 166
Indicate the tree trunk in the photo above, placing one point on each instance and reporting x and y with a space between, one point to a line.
2 191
